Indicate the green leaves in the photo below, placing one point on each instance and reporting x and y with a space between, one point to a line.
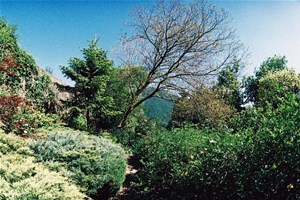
91 162
274 87
22 178
257 157
229 86
19 73
251 84
21 70
90 93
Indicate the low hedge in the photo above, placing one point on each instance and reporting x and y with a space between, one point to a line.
10 143
95 164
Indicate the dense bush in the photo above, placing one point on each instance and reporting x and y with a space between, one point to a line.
201 108
10 143
18 117
273 157
273 87
137 127
285 117
11 110
95 164
21 178
188 164
261 160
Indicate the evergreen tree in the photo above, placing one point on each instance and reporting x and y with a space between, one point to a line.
91 76
229 86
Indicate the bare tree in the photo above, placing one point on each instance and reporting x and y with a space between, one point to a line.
177 44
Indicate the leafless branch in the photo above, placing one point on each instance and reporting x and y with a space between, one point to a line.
178 44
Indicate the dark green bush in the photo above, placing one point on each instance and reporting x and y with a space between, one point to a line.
271 161
260 160
138 126
95 164
189 164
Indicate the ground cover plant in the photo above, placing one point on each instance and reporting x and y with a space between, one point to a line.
95 164
22 178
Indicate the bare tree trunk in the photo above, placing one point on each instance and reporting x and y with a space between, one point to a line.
125 118
134 105
88 119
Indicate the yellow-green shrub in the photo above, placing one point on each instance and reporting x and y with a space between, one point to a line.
201 108
273 87
10 143
21 178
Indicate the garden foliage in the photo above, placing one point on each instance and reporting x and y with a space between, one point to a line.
17 116
22 178
213 148
95 164
260 160
19 73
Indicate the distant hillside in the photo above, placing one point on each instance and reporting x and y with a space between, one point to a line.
159 109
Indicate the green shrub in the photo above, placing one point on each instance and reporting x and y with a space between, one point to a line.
40 119
75 119
273 87
270 160
285 117
95 164
188 164
10 143
21 178
138 126
260 160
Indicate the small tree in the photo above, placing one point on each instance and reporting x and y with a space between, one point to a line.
91 77
177 43
201 108
229 87
274 87
250 84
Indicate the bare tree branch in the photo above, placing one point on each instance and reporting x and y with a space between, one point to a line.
178 44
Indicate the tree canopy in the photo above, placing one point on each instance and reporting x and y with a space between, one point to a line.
250 84
177 43
91 76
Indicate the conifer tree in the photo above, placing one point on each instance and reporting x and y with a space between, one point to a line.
91 76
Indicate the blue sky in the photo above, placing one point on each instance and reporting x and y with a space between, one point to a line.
54 31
